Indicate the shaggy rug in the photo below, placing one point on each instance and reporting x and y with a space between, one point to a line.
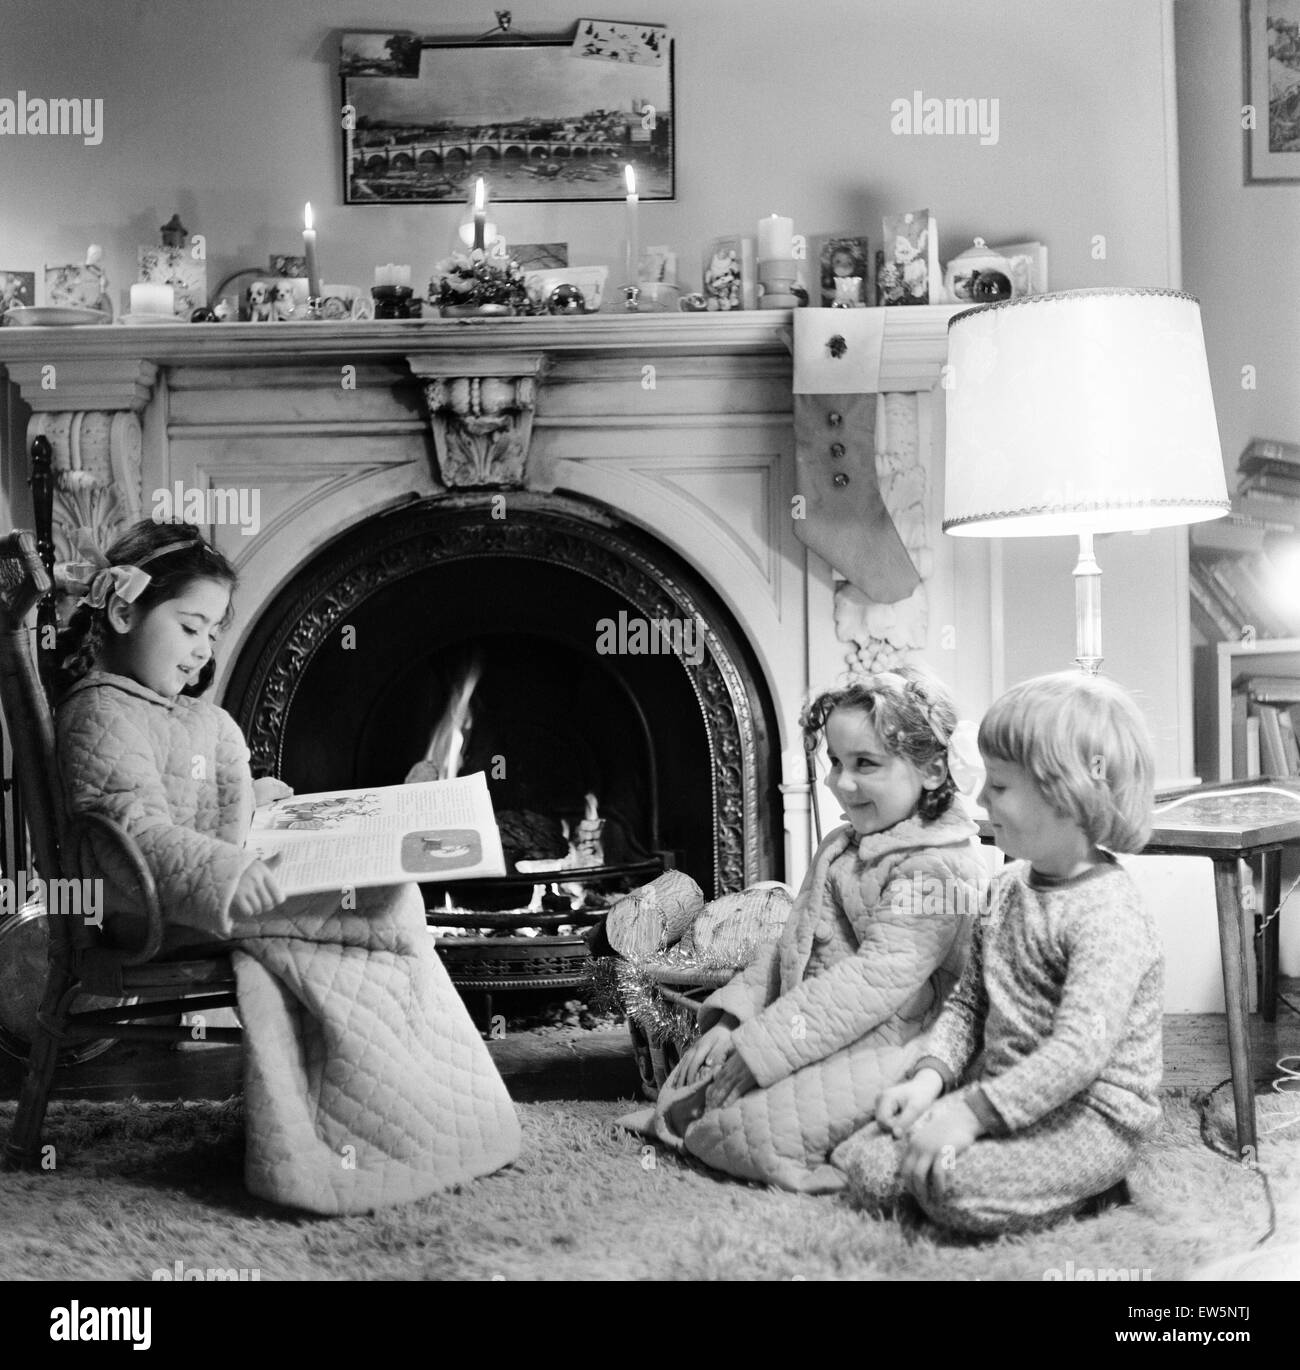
139 1187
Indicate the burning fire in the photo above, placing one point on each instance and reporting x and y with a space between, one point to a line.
446 749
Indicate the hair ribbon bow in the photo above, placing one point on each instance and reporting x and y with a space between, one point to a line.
965 764
96 578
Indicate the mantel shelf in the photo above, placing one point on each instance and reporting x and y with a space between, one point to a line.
915 345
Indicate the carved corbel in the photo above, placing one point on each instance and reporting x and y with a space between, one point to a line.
90 413
481 416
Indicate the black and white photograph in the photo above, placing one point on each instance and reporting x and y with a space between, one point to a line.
587 699
17 290
845 271
540 121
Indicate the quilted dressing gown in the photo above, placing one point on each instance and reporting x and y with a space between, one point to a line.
365 1081
832 1012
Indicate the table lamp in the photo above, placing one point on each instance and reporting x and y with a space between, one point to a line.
1085 411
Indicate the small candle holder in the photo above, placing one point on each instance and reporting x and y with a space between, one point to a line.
778 276
632 299
391 301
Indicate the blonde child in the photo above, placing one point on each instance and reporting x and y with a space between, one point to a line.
796 1047
1047 1055
136 744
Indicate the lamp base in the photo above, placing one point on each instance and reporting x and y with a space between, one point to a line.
1087 608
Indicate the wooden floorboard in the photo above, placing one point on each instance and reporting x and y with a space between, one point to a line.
599 1065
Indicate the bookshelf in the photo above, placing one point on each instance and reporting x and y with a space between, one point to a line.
1240 574
1216 667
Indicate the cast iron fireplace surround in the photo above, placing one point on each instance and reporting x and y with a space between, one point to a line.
348 668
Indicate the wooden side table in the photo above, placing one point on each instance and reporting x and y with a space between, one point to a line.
1228 823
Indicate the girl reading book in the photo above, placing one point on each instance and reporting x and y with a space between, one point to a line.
366 1083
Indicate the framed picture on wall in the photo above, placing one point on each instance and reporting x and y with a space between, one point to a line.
538 120
1271 89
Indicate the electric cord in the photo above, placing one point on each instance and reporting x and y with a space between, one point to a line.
1202 1105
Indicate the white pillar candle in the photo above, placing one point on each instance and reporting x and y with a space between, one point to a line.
775 238
309 244
148 298
480 214
633 262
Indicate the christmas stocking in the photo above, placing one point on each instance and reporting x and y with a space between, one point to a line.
845 521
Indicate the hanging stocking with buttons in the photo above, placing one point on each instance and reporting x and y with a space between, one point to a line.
840 512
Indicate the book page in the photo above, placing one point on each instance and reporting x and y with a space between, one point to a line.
386 835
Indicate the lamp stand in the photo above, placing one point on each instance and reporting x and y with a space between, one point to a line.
1087 608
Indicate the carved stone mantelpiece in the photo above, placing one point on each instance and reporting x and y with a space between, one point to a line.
481 416
678 424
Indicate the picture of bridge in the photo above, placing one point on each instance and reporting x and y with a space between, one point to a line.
538 123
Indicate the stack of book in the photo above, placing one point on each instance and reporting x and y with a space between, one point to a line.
1265 726
1233 582
1269 480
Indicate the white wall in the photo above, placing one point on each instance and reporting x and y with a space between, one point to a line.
227 112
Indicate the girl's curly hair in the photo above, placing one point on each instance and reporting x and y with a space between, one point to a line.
913 715
189 557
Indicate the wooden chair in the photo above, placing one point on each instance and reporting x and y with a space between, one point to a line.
82 960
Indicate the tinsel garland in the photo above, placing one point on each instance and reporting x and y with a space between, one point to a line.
643 1000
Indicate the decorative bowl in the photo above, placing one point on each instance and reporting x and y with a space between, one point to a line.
589 279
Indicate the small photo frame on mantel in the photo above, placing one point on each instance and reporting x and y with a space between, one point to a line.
425 118
1270 44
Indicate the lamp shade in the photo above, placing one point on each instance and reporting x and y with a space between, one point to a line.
1083 411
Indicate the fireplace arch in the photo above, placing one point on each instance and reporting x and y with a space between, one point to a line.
681 733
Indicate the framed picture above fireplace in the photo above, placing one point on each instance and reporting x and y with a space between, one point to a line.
539 120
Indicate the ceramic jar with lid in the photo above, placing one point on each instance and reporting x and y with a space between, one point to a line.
979 276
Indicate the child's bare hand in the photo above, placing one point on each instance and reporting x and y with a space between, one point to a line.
710 1050
267 789
902 1104
258 891
939 1137
732 1082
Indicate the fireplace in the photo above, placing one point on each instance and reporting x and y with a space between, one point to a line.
348 669
499 489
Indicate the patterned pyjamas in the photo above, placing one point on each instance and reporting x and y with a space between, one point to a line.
1016 1183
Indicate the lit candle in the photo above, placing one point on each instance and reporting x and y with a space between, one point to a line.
633 252
152 299
309 243
480 214
775 239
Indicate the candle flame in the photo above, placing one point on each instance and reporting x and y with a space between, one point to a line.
629 175
478 195
306 216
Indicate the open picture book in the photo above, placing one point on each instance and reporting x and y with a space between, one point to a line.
385 835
